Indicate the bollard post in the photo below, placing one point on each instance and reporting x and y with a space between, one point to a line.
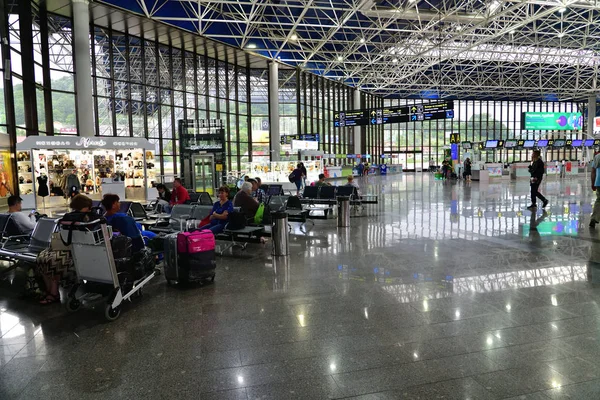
343 212
280 234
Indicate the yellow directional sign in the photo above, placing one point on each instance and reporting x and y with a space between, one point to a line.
454 138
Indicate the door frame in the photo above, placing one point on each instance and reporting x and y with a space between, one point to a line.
195 158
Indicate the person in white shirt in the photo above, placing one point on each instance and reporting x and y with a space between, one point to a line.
25 223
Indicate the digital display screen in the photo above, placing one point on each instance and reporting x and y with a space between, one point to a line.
467 145
576 143
588 142
509 144
529 144
542 143
491 144
555 121
559 143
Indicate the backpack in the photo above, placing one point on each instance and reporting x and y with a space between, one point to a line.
292 177
68 222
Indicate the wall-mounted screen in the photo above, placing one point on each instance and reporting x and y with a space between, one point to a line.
576 143
559 143
542 143
529 144
509 144
555 121
467 145
491 144
588 142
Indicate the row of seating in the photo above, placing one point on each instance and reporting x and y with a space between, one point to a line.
18 247
328 195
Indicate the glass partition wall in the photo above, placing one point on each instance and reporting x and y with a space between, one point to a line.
418 142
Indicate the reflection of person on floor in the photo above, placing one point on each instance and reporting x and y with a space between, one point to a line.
534 235
219 215
593 266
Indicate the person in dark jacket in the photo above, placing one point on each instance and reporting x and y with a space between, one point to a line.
297 174
304 174
468 169
537 170
243 199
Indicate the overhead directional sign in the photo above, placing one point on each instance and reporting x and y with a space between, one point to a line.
390 115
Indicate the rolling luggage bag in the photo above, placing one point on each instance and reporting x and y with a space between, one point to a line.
190 256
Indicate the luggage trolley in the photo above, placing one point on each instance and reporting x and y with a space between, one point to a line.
95 266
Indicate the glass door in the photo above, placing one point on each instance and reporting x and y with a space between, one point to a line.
204 175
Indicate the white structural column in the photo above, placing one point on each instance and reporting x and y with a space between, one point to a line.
83 68
274 111
590 124
357 130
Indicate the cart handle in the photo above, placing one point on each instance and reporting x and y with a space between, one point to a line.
80 223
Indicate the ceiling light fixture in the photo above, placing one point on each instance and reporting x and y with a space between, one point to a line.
512 32
362 40
395 60
294 37
562 10
251 46
561 34
340 58
412 1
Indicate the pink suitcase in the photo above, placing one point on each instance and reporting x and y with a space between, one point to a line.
195 242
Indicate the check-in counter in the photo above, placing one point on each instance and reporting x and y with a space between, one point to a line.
519 171
480 175
494 171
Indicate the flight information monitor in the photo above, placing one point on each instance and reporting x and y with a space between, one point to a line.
509 144
554 121
542 143
559 143
529 144
576 143
588 142
467 145
391 115
491 144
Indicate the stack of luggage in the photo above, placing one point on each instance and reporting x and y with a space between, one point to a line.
190 257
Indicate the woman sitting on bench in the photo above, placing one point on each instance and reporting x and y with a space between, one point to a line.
55 265
219 215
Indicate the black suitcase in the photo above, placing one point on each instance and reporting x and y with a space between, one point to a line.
183 268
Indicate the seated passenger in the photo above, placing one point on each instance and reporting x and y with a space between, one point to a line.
124 223
54 265
164 196
25 223
219 215
321 181
354 184
257 192
243 199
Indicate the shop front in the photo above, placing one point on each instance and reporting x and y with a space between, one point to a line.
50 166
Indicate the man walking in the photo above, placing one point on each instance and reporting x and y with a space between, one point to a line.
537 170
596 188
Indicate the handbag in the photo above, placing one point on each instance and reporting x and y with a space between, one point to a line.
56 243
258 217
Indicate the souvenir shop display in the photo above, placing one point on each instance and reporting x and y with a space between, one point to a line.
279 171
52 168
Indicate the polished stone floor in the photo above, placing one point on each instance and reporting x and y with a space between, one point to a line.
443 290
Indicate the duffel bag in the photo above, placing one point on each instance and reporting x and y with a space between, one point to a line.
195 242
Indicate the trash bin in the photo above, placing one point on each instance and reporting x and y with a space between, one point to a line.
279 233
343 211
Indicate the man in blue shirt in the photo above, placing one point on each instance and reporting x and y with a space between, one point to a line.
123 223
596 188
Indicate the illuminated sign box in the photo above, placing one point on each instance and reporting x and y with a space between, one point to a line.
552 121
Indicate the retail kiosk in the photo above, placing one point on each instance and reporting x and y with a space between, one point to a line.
123 166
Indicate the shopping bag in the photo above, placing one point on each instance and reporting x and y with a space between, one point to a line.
258 217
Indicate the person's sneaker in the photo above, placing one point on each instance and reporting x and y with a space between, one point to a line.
593 223
532 207
545 204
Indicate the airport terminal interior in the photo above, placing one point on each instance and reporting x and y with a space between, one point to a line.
404 259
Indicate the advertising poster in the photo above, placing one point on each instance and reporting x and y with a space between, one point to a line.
6 174
554 121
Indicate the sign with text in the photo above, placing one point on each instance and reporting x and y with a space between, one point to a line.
391 115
